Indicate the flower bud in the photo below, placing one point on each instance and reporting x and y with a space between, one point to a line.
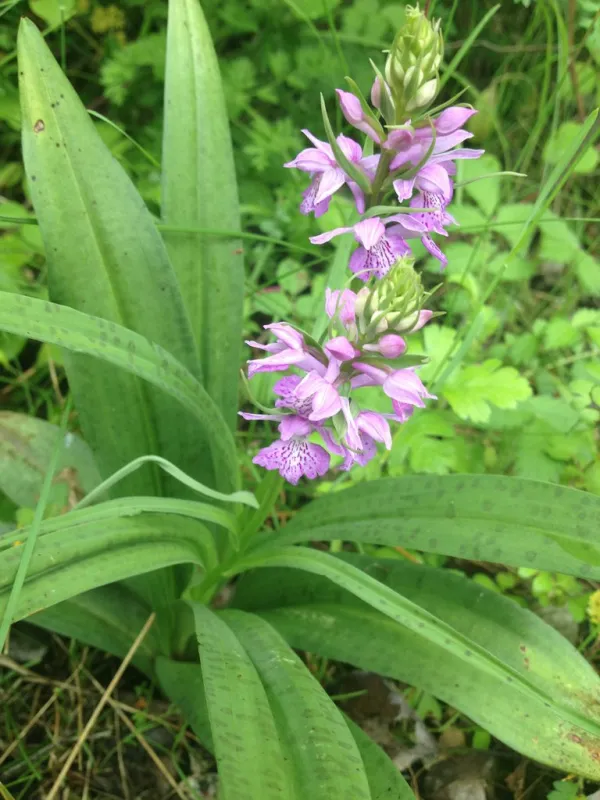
412 66
394 304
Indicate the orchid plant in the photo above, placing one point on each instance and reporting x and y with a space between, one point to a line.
148 315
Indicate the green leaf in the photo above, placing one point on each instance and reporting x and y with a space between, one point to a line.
54 12
78 555
560 333
485 191
81 333
26 445
199 191
553 410
509 221
481 517
246 743
322 757
545 696
563 137
183 683
104 257
472 389
385 781
108 618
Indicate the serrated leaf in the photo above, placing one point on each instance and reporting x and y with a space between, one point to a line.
199 190
548 708
473 389
246 743
482 517
321 756
587 269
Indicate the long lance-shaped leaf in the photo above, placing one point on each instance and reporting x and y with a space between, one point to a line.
106 618
75 559
182 682
82 333
545 703
321 755
26 445
385 781
249 755
483 517
199 190
105 257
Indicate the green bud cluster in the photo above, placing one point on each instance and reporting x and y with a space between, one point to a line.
393 304
411 70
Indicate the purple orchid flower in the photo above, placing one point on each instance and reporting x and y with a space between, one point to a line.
379 248
327 176
355 115
411 145
289 351
293 458
401 385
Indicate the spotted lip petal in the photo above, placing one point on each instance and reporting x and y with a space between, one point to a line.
294 458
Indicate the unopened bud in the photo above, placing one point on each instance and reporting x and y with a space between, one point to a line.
394 305
411 70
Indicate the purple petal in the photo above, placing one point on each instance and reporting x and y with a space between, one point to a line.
294 426
390 346
294 458
376 375
286 334
445 143
408 223
357 264
326 403
359 196
376 426
275 363
324 147
435 251
434 178
331 181
402 411
424 317
248 415
339 347
351 149
452 118
340 303
350 105
405 386
310 160
451 155
322 238
369 232
404 188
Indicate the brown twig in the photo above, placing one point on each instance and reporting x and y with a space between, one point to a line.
98 710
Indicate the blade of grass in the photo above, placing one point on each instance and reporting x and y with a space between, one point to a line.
473 35
13 599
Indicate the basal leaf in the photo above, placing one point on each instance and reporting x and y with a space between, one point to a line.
385 781
320 753
546 705
26 444
108 618
246 742
81 333
75 558
105 257
183 683
199 190
484 517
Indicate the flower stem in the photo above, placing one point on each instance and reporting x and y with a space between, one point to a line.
383 169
